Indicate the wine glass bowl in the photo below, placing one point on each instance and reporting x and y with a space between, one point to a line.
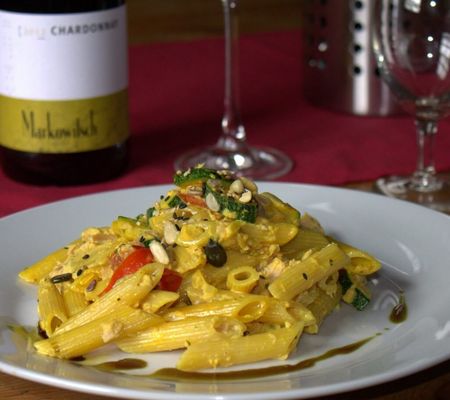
232 151
412 50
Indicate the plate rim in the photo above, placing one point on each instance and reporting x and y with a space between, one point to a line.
120 392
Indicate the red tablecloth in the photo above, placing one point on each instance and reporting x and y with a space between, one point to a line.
176 98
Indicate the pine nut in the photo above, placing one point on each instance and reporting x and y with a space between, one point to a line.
246 197
212 202
159 252
170 232
237 186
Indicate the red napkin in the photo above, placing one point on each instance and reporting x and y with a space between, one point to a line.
176 102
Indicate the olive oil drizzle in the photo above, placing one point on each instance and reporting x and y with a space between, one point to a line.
121 365
28 333
400 311
176 374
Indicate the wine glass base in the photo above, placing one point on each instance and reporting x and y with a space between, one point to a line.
402 187
254 162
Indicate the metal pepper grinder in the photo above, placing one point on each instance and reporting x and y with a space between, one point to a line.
340 68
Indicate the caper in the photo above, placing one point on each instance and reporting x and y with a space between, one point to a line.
215 253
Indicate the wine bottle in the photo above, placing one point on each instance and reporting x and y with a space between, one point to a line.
63 90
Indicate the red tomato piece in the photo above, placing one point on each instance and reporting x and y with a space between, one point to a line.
191 199
134 261
170 280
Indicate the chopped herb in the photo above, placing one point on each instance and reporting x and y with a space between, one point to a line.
86 256
150 212
79 272
305 276
145 242
182 205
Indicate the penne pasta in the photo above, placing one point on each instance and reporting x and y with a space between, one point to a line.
304 241
287 312
51 308
242 279
323 305
361 263
124 321
302 275
245 309
37 271
75 301
276 344
158 300
182 333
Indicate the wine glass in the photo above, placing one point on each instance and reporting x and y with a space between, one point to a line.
412 50
232 151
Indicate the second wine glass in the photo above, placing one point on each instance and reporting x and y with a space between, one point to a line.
412 50
232 151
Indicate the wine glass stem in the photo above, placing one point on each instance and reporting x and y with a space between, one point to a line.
233 132
424 178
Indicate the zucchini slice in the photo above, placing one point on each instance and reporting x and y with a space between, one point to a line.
175 201
194 175
360 300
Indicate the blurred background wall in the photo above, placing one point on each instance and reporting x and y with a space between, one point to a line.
173 20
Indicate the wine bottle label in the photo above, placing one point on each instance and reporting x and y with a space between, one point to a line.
63 81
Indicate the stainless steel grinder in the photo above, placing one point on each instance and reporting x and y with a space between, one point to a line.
340 68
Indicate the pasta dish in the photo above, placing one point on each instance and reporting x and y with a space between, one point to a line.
215 268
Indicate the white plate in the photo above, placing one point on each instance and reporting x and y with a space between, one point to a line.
411 241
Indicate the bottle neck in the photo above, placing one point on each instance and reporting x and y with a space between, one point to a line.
58 7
